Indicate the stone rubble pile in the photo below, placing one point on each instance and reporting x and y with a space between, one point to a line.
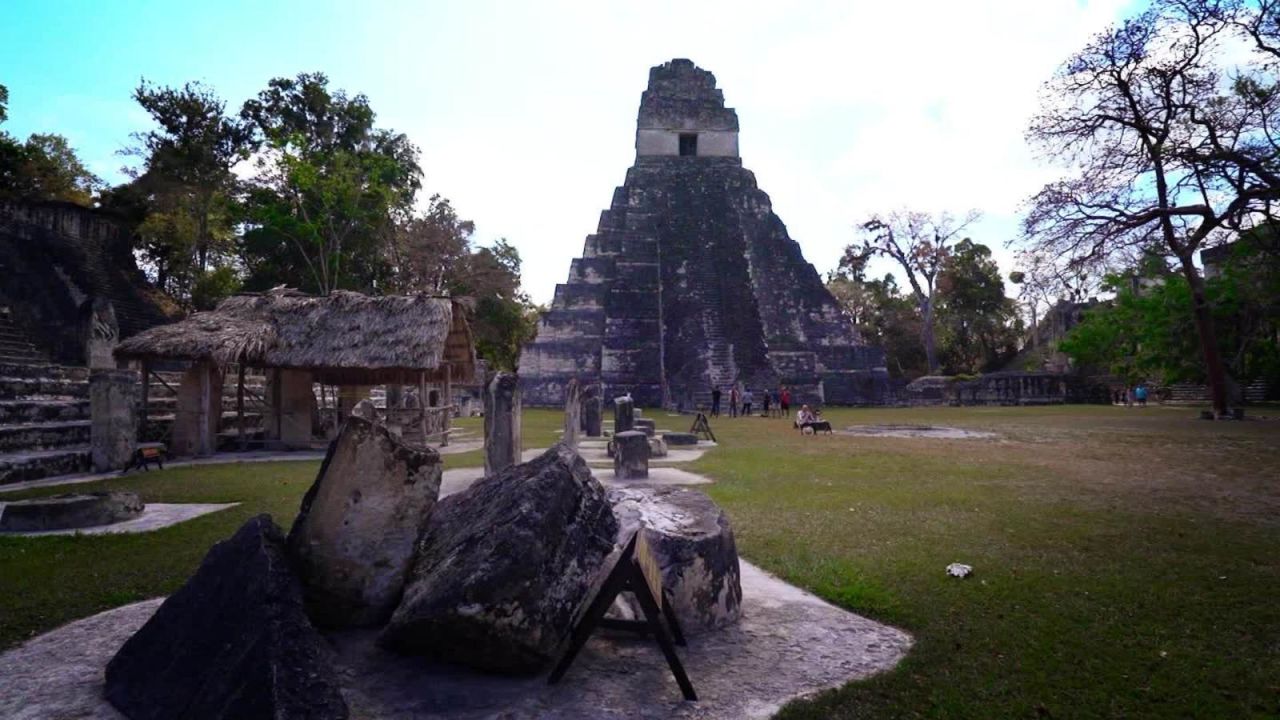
492 577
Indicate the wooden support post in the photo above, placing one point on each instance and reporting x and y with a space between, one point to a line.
448 405
146 399
422 403
324 411
276 402
244 441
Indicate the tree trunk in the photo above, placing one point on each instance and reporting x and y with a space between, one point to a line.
1213 368
926 336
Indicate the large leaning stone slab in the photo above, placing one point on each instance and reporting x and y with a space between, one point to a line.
355 536
233 643
693 543
505 566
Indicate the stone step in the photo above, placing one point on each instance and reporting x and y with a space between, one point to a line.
13 412
43 435
24 466
43 370
13 388
15 348
12 359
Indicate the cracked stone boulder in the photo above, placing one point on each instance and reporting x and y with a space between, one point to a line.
693 544
505 566
354 539
233 643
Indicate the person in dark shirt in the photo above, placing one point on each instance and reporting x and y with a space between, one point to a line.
715 402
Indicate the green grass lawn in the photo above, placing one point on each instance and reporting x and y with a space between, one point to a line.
1127 562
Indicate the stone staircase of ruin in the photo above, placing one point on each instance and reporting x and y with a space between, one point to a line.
15 347
45 423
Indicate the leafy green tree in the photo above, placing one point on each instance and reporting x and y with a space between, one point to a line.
884 315
45 167
328 191
432 252
1169 136
980 325
919 243
1148 331
188 162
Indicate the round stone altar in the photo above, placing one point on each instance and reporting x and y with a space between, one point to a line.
693 543
938 432
65 512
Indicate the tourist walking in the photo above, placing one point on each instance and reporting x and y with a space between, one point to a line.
784 401
764 402
715 402
1140 394
733 401
746 402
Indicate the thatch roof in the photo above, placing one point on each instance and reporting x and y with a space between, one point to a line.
344 338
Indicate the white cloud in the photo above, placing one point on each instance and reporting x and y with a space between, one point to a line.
845 111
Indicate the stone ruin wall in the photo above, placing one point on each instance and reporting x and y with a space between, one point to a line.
56 258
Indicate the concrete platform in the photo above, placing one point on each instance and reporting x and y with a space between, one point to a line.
789 644
154 517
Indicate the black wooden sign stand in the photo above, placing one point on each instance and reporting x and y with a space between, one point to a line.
636 572
702 427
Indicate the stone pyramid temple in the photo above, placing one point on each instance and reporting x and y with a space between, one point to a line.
691 281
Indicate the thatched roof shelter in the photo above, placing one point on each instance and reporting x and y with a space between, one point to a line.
344 338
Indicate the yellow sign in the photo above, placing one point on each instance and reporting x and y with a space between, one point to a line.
649 567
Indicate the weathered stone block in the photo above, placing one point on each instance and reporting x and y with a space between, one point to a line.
572 413
232 643
657 447
630 455
505 566
592 399
645 425
101 334
623 414
693 543
354 540
113 410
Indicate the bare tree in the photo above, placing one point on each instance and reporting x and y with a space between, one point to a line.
1163 156
919 243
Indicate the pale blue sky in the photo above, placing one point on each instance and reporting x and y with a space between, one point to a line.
525 112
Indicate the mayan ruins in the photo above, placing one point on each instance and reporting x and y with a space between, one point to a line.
692 282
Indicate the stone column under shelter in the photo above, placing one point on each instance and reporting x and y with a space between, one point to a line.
113 412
